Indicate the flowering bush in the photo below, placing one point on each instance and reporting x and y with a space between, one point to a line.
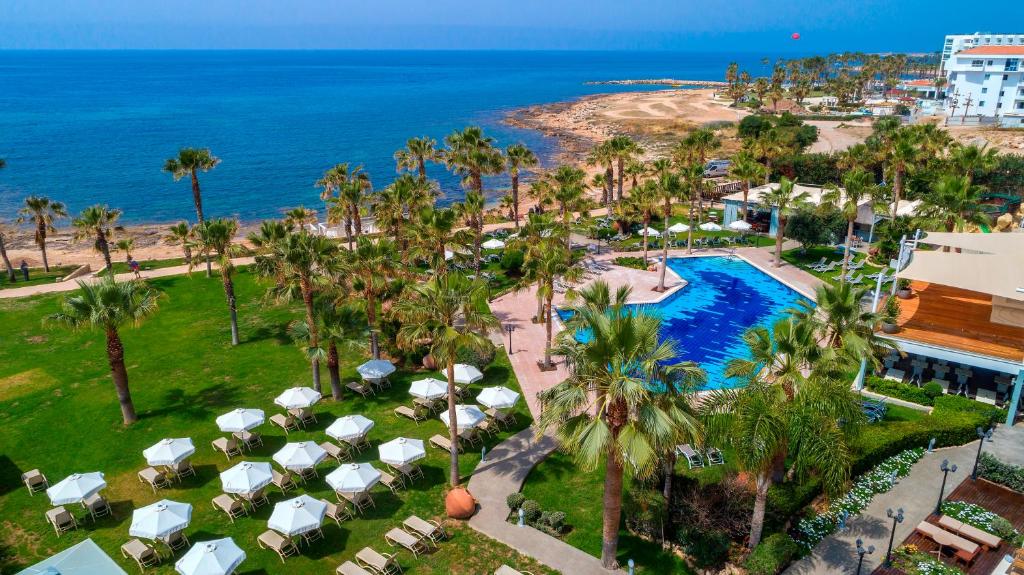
981 518
810 531
911 561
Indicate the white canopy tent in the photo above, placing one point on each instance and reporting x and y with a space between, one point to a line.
429 388
376 369
466 417
300 455
710 227
465 374
498 397
651 232
679 228
988 263
402 451
493 244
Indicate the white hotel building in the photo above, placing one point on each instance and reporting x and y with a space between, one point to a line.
986 84
957 42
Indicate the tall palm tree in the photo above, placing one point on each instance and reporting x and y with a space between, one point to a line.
745 169
5 234
344 194
448 313
371 267
189 162
702 142
547 265
970 159
472 155
669 188
301 264
610 409
903 154
415 155
604 155
109 305
125 245
693 184
179 234
953 204
434 232
41 212
784 199
517 158
539 230
567 192
471 210
97 224
643 201
396 204
858 186
217 236
623 149
769 146
840 322
339 325
636 169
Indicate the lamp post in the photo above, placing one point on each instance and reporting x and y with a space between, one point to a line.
510 328
982 436
861 552
897 518
946 469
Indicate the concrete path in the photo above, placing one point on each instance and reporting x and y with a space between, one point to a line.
58 287
917 494
502 473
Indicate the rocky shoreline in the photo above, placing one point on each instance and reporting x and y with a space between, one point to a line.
661 82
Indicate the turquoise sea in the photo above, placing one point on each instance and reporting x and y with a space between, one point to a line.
88 127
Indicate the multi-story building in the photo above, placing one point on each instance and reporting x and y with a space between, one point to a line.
957 42
987 83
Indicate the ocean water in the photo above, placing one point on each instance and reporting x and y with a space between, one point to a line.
88 127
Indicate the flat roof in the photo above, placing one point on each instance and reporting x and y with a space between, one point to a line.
993 51
85 558
814 193
987 263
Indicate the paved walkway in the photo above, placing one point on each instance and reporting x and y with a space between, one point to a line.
502 473
917 494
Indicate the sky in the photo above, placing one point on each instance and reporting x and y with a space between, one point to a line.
685 25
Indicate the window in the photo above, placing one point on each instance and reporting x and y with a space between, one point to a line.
1002 93
1020 105
1006 77
1011 65
999 106
981 103
977 63
984 90
990 62
987 76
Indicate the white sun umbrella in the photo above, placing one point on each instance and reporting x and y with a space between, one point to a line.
710 227
353 477
160 519
401 451
651 232
217 557
349 427
466 374
498 397
301 455
429 388
448 254
376 369
678 228
246 477
298 397
466 416
76 487
240 419
740 226
169 451
297 516
493 244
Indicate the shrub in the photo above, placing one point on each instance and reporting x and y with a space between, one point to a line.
771 554
986 415
932 389
1010 476
512 261
892 309
903 391
630 262
479 358
707 549
515 501
531 511
752 126
556 520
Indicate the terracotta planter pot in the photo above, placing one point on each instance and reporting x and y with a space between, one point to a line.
904 293
429 363
459 504
890 327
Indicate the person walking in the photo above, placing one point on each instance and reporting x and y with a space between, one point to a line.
134 266
24 269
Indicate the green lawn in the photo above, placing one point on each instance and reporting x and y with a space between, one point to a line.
122 267
58 413
559 485
803 258
36 276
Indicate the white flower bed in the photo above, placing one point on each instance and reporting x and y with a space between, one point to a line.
810 531
969 513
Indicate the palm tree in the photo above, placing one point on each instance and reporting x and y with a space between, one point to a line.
693 183
108 304
448 313
125 245
395 205
567 192
370 267
344 189
636 169
902 153
539 230
5 234
339 325
97 223
471 210
603 155
518 157
415 155
669 188
840 322
189 162
434 232
179 235
611 408
623 149
769 147
548 264
858 186
784 199
953 204
41 212
745 169
643 201
301 264
472 155
702 142
971 159
217 236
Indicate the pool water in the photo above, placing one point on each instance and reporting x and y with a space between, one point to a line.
724 297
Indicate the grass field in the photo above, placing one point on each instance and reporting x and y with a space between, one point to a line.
121 267
810 256
36 276
59 413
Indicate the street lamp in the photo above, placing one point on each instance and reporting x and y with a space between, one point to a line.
946 469
861 552
510 328
897 518
982 436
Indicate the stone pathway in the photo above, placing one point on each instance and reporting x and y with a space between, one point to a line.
917 494
502 473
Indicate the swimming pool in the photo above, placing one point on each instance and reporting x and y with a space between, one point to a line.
724 297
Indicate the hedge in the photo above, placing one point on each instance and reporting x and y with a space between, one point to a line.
771 554
1010 476
899 390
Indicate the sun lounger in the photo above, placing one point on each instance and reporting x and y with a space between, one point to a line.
470 436
360 499
256 498
181 469
412 413
983 538
391 482
360 388
693 459
428 529
383 563
143 554
857 279
303 416
855 265
398 538
336 512
895 374
986 396
229 505
154 478
410 471
248 439
283 481
442 442
228 447
504 419
286 423
875 275
819 263
61 520
1003 383
350 568
338 453
35 481
714 456
831 266
280 544
357 443
944 383
96 505
175 541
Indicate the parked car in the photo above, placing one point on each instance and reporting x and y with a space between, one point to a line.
717 168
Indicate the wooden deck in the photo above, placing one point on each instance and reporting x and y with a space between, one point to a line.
996 499
957 319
